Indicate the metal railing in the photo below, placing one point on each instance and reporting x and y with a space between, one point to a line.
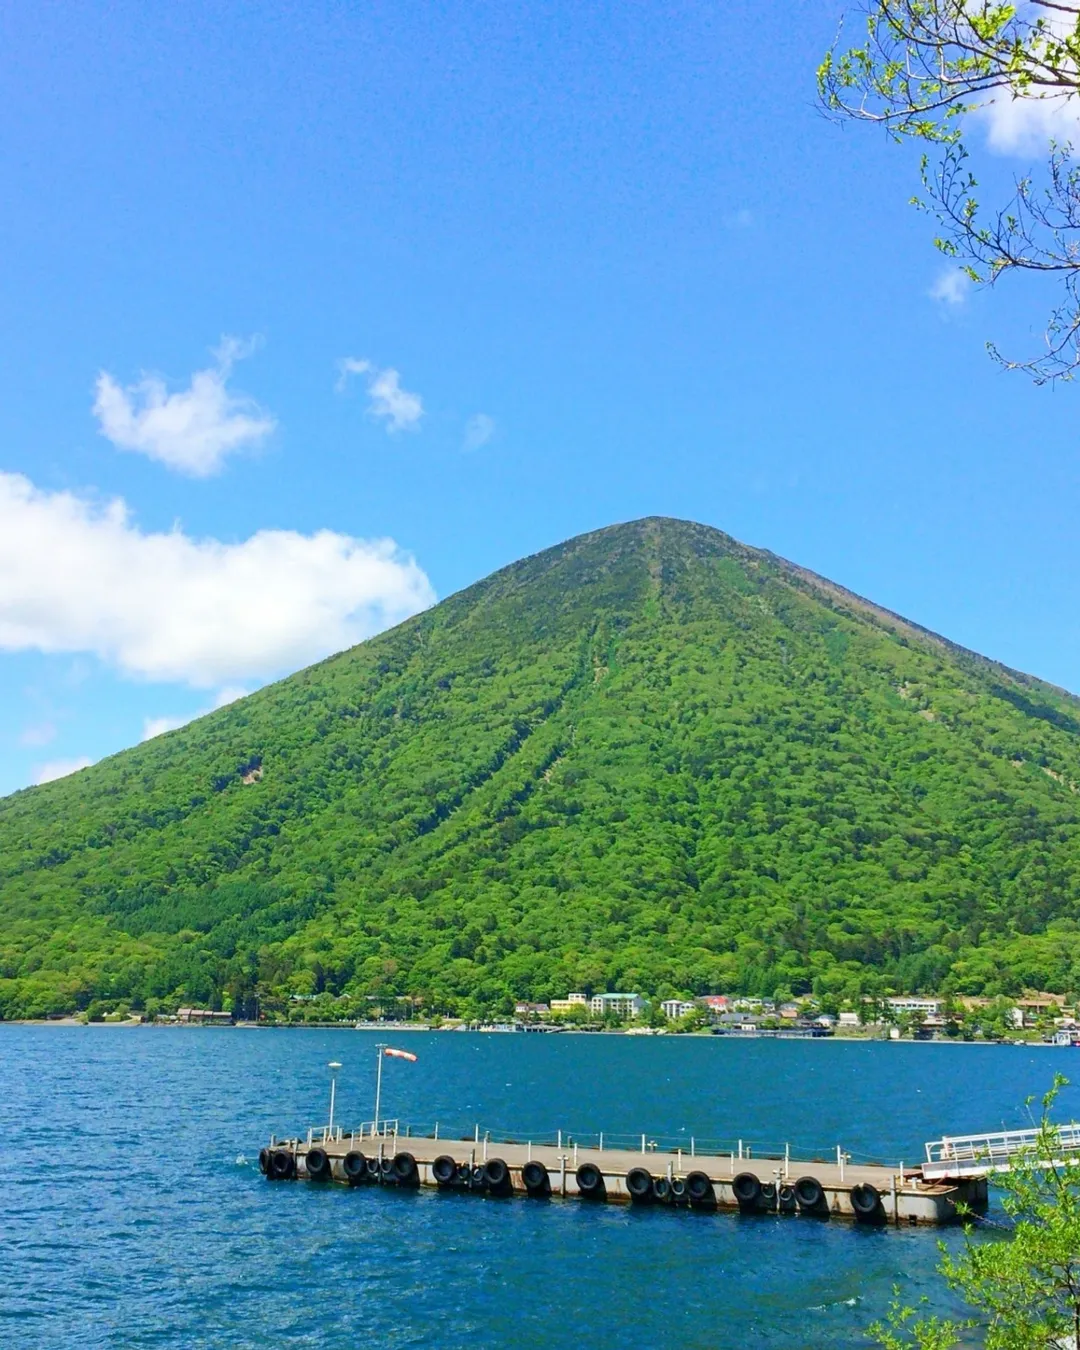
371 1129
336 1134
637 1142
990 1149
644 1143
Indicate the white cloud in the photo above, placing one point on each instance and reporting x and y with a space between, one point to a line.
951 287
59 768
400 409
479 429
158 726
193 430
40 734
80 577
1019 126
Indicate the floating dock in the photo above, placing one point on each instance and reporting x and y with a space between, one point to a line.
736 1181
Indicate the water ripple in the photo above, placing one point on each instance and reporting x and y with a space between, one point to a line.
132 1214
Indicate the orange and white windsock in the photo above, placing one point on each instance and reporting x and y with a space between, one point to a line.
399 1054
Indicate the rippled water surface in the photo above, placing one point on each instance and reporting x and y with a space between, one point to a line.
132 1213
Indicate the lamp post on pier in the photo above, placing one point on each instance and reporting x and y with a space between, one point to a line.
333 1066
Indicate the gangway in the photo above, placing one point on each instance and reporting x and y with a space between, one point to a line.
976 1155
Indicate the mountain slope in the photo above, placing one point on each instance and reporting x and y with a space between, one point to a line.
650 756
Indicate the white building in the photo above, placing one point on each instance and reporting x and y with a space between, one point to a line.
570 1001
617 1005
674 1008
925 1007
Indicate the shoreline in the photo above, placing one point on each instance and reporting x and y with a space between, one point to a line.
400 1028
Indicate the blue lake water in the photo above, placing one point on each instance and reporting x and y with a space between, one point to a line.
132 1212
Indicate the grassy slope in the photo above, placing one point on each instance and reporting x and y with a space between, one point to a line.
650 756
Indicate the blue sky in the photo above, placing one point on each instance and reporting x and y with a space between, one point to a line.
290 280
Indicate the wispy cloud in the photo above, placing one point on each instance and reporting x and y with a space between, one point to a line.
400 409
41 733
59 768
479 429
951 287
158 726
741 219
76 576
192 430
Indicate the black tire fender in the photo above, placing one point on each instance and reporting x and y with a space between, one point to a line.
497 1176
405 1171
866 1202
810 1195
282 1165
444 1170
590 1182
748 1191
639 1185
354 1165
699 1189
534 1176
318 1164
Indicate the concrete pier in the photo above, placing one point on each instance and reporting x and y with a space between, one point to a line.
836 1188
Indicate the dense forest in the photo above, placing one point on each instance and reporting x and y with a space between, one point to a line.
649 758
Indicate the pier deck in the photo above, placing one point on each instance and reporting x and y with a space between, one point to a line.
866 1192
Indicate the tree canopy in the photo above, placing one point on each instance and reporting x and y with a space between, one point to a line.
650 758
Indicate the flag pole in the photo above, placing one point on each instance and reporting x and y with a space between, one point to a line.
380 1047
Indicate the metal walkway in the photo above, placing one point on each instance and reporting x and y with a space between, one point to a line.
975 1155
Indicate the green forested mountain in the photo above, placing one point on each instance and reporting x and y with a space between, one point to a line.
649 757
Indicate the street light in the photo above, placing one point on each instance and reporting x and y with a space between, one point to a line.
333 1066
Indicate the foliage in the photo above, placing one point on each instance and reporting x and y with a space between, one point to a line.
1024 1290
924 68
648 759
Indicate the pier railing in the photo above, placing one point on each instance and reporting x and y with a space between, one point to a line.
639 1142
976 1154
393 1133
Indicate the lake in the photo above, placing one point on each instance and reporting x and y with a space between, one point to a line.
132 1212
